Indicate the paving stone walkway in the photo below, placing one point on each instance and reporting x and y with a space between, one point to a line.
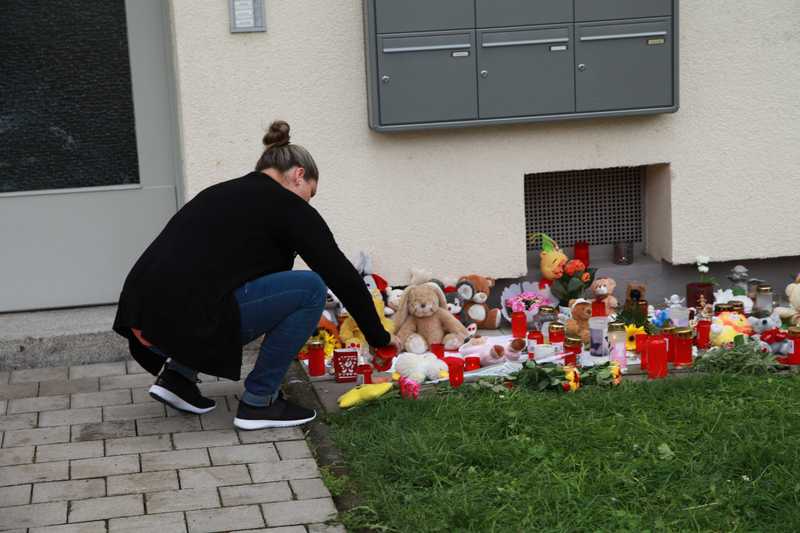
85 449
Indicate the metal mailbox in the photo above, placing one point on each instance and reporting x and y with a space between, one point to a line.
455 63
623 66
593 10
525 72
499 13
399 16
427 77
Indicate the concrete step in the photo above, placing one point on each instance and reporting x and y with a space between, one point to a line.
62 337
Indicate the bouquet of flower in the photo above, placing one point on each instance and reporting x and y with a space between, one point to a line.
527 301
576 279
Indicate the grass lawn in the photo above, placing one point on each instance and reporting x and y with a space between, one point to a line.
704 453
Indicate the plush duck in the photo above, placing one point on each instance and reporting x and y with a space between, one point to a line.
362 394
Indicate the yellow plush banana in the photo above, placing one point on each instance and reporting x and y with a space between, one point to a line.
363 393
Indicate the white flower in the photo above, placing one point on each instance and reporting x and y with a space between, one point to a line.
703 269
702 259
745 478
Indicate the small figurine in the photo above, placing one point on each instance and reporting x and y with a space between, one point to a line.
552 260
674 301
739 276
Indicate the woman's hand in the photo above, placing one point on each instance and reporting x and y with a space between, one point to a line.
397 343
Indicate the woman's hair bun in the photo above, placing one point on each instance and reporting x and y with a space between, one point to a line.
278 134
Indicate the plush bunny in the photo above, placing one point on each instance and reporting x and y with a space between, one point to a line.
420 367
423 319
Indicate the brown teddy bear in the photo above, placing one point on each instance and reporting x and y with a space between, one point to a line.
423 319
635 293
578 325
604 288
474 292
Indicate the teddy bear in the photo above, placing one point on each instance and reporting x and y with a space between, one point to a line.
635 293
578 325
767 330
603 288
351 334
474 292
420 367
423 319
792 314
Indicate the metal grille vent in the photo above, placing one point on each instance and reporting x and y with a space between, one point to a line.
601 206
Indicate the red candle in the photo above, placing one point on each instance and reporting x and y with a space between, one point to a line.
573 348
438 350
519 325
599 307
582 252
794 337
657 359
383 358
683 347
344 365
316 359
641 338
643 350
472 362
703 334
455 367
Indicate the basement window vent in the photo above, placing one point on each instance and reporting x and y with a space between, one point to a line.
600 206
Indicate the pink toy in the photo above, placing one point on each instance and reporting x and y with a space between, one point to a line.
409 389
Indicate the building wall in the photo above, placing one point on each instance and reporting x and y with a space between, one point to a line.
452 200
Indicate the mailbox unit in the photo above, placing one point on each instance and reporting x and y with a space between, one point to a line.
451 63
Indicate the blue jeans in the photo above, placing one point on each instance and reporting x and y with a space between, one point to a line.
286 307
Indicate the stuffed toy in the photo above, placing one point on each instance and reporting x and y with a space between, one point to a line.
635 293
517 350
767 331
603 288
727 326
332 308
474 291
578 325
393 298
490 353
454 304
420 367
363 393
551 260
792 314
423 320
351 334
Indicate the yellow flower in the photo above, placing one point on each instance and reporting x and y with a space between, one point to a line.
632 330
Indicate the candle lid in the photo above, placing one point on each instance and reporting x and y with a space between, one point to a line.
616 326
669 330
574 341
684 333
547 309
763 289
556 326
794 331
315 344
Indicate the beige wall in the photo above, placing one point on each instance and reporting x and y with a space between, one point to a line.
452 200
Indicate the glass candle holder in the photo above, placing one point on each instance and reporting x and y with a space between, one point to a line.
573 347
683 346
598 328
471 363
679 316
642 349
383 358
316 359
657 364
623 253
668 333
438 350
557 335
519 325
794 354
543 318
582 252
703 339
455 367
617 338
543 352
764 297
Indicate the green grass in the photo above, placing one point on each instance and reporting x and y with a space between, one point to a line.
704 453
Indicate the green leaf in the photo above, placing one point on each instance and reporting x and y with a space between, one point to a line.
575 284
738 340
665 452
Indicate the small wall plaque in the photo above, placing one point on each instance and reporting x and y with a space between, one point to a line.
247 16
